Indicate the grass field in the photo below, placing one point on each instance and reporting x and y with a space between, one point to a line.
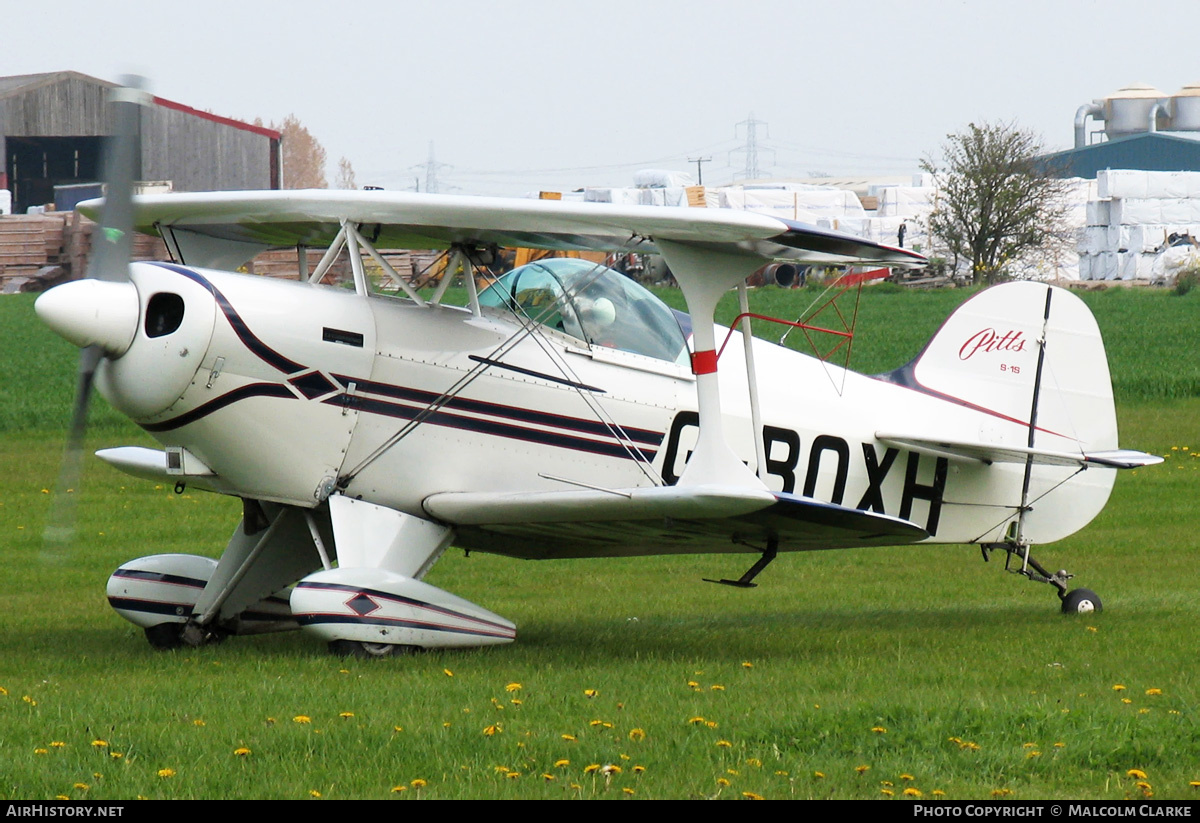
861 674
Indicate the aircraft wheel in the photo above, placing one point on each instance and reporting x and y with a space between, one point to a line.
355 648
165 636
1080 601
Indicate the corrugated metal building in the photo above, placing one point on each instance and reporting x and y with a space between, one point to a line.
51 127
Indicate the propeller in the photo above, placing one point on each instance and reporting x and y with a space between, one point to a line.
91 313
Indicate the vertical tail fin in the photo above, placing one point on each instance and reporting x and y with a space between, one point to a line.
1030 359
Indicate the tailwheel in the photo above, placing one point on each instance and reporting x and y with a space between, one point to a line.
362 649
1080 601
1018 560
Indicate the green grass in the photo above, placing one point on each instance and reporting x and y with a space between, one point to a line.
929 643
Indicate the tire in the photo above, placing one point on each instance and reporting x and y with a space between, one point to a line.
1081 601
368 651
165 636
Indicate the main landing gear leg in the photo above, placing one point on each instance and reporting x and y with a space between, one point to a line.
1078 601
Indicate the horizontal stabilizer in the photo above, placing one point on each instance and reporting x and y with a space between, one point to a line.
993 453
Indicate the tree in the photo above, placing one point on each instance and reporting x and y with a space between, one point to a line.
303 156
345 175
997 206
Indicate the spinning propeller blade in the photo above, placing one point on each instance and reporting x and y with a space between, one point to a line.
112 244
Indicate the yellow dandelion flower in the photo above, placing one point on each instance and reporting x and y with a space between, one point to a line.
747 665
639 769
721 781
1060 745
83 787
611 768
887 783
1126 700
398 789
548 776
115 755
301 718
637 734
61 796
1001 792
692 684
57 744
712 724
717 687
1092 629
346 715
397 728
1195 784
494 729
1143 711
955 740
752 796
570 738
1118 688
1033 753
513 687
515 702
596 723
448 673
513 775
1137 774
862 769
241 751
754 761
818 775
628 790
41 751
912 792
198 722
879 730
314 793
938 793
724 744
1143 785
887 792
3 692
695 721
166 772
562 763
1029 745
591 693
907 777
1153 692
419 783
590 768
100 744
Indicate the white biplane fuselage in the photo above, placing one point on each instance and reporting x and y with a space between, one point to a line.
563 413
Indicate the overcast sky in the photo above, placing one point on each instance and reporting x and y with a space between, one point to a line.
526 94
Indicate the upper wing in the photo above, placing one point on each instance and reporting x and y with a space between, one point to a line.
225 224
662 520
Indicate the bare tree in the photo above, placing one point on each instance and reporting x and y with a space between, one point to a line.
997 206
345 175
303 156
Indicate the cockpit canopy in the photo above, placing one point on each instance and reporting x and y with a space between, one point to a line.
592 303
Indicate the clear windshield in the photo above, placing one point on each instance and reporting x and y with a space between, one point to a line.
592 303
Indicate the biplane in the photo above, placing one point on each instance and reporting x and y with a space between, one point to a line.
564 412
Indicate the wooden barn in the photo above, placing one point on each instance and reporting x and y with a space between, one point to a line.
51 127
